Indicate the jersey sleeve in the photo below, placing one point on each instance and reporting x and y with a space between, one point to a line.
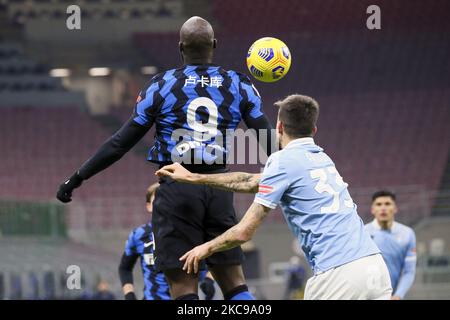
409 269
147 102
251 110
130 245
411 255
250 99
274 182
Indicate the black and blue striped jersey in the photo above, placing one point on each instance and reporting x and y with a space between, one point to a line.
141 244
195 109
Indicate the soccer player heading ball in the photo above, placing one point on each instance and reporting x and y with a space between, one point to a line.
198 103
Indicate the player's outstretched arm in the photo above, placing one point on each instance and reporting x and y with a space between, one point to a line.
231 181
112 150
233 237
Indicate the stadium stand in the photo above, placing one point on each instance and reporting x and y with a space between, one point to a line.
17 73
21 12
27 265
24 81
31 170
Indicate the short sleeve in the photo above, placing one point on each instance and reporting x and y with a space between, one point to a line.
130 245
250 104
274 182
411 254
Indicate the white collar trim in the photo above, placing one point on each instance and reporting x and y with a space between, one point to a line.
305 140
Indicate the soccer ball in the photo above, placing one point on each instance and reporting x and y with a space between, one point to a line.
268 59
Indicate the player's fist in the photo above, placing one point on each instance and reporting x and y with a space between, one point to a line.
65 190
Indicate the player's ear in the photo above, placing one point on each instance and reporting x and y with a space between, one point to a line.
314 130
395 208
181 49
280 127
372 209
214 43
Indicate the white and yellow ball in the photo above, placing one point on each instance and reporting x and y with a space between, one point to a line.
268 59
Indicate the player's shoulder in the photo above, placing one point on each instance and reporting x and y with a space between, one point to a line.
401 226
139 231
290 154
243 78
283 159
369 226
152 84
236 76
404 228
159 76
165 75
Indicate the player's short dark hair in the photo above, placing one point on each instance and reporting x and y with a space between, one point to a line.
151 192
298 114
383 193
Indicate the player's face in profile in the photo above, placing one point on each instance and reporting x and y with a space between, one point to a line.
384 209
149 205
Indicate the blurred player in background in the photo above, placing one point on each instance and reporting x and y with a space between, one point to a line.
296 276
140 244
317 206
396 241
204 103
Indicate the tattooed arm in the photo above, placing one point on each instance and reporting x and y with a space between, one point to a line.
232 181
233 237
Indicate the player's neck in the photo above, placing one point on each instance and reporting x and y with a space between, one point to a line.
285 140
188 60
386 225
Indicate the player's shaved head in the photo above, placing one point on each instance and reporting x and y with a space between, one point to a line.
197 40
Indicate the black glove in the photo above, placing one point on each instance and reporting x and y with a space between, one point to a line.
130 296
208 288
64 193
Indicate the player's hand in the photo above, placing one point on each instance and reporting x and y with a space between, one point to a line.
208 288
175 171
396 298
65 190
192 258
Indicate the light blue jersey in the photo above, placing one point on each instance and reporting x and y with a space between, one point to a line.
316 204
398 248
